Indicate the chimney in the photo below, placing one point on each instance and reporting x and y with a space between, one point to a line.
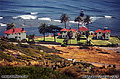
22 29
13 30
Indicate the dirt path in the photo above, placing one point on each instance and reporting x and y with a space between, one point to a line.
111 48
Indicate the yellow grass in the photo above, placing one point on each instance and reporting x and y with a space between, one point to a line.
91 55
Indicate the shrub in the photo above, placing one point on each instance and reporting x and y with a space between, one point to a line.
84 47
12 39
98 50
34 72
63 45
24 41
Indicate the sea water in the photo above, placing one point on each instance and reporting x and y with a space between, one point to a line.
31 13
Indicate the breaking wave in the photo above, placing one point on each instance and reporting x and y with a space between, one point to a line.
1 17
45 18
34 13
2 25
26 17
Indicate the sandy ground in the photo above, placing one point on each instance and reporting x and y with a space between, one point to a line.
94 54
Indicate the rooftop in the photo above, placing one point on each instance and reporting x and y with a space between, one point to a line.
15 30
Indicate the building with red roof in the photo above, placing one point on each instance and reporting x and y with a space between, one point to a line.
82 30
18 33
63 33
102 34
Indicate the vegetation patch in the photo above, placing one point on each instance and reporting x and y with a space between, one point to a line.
104 52
34 72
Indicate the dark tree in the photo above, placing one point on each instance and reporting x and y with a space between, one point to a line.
43 29
70 34
54 29
78 19
64 18
10 26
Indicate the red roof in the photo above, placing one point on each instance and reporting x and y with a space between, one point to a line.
58 33
83 29
103 31
94 34
68 30
15 30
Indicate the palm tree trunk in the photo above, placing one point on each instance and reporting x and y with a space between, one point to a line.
65 24
78 25
44 37
54 38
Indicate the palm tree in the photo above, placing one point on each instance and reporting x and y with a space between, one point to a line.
78 19
43 29
87 20
70 35
64 18
10 26
54 29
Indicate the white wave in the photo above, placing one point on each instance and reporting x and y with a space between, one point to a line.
73 22
34 13
1 17
107 16
46 18
95 18
25 17
57 20
1 24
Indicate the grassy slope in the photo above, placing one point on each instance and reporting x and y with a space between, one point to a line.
32 59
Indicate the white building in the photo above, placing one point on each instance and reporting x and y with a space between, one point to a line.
18 33
63 33
102 34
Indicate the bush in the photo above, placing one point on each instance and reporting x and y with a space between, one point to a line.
24 41
31 42
84 47
34 72
12 40
63 45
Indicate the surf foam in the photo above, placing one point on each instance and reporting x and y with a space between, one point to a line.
25 17
45 18
1 17
1 24
34 13
107 16
95 18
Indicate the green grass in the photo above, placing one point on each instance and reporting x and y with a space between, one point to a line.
72 41
99 42
114 40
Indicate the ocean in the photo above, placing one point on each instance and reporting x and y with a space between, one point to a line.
31 13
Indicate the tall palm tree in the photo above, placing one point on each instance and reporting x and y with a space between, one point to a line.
10 26
43 29
78 19
70 35
64 18
87 20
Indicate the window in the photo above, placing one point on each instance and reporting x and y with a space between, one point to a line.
64 31
19 33
99 32
19 37
15 36
8 34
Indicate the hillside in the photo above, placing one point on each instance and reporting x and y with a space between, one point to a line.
37 62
